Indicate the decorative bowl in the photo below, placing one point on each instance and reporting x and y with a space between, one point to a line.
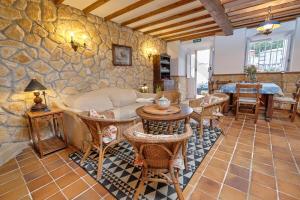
163 103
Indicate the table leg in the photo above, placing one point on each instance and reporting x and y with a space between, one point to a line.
31 133
228 103
269 106
37 133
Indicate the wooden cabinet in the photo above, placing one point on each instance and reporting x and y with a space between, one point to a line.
162 72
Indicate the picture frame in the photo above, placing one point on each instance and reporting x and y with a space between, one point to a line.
122 55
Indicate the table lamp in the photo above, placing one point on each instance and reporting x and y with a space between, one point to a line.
35 86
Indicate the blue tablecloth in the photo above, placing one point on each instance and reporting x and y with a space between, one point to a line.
267 88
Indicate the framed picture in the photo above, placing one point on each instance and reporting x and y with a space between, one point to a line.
122 55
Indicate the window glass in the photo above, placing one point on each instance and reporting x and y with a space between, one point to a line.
268 55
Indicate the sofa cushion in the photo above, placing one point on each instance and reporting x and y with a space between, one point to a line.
127 112
121 97
96 100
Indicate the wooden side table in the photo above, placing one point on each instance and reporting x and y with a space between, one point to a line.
57 141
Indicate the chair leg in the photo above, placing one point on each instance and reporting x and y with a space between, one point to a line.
292 108
141 185
256 113
294 112
201 128
100 163
236 111
210 124
176 184
86 154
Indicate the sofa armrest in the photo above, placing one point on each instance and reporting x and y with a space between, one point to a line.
76 130
65 108
146 95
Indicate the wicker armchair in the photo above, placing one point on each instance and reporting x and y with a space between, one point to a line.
97 128
173 95
158 153
211 110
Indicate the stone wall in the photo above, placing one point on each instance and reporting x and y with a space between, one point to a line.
35 43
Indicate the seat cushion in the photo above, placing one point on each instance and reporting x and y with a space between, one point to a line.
246 100
288 100
91 100
120 97
127 112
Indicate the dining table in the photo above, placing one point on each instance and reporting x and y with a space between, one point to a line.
267 91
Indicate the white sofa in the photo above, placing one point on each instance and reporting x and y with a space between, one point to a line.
121 101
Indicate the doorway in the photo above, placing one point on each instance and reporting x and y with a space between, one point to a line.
203 60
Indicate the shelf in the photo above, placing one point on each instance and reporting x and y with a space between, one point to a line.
52 144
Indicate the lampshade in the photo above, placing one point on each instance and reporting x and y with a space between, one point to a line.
268 26
34 85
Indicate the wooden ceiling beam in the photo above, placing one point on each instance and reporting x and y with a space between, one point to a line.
201 30
275 17
217 11
127 9
58 1
166 19
252 25
178 24
264 11
94 6
185 28
157 11
260 6
241 4
190 37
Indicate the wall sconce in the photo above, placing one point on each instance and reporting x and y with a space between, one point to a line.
150 52
144 88
75 44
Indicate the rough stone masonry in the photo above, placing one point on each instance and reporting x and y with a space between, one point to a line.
35 43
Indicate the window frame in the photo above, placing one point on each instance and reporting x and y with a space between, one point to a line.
288 37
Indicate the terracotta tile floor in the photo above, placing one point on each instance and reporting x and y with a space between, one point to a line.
250 162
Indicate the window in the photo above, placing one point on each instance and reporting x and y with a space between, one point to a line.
268 55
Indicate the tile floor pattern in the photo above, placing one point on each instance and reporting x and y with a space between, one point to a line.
251 162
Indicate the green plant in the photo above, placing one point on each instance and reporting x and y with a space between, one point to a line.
158 88
251 71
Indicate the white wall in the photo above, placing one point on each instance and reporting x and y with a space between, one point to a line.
173 49
295 57
230 51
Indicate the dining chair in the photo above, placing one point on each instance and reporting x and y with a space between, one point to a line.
290 101
98 127
248 95
173 95
297 87
158 155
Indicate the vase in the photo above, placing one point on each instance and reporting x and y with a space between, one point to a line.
252 78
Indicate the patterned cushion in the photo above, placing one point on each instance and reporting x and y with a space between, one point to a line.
288 100
247 100
198 110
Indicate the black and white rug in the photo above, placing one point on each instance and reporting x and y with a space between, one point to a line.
120 177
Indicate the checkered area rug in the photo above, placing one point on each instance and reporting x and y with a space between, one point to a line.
121 178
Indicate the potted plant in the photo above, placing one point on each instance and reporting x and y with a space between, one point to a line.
251 71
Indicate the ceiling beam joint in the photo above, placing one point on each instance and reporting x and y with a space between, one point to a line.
217 11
